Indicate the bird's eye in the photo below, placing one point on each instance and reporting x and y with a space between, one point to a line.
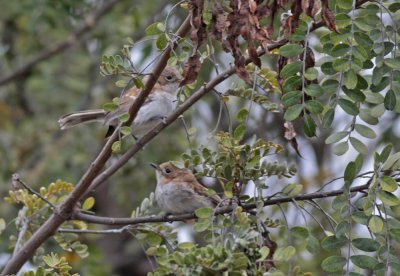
167 170
169 77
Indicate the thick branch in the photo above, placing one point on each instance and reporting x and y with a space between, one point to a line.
65 209
222 210
90 23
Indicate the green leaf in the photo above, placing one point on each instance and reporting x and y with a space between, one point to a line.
314 106
344 4
363 261
365 131
2 225
386 152
116 146
291 69
291 98
394 7
388 199
342 20
138 83
395 233
124 117
312 244
293 112
242 115
350 79
388 184
341 65
348 107
341 148
392 63
109 107
327 68
161 42
377 75
365 115
367 245
375 224
153 239
390 100
314 90
333 263
88 203
125 130
359 146
363 39
309 126
339 50
311 74
350 171
291 83
290 50
354 94
204 212
336 137
381 85
202 225
239 132
391 161
153 29
264 251
360 217
342 228
333 243
327 118
284 254
292 189
121 83
298 232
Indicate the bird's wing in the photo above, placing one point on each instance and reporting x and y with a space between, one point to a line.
200 189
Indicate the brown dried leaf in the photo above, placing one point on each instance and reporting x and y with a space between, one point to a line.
328 17
310 7
292 22
310 58
290 132
253 54
290 135
191 70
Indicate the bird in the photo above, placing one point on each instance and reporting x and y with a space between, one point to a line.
179 192
160 103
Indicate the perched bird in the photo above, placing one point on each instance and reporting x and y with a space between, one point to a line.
179 192
161 101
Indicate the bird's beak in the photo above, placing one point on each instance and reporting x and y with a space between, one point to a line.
155 166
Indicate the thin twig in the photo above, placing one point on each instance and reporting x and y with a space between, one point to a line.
17 180
221 210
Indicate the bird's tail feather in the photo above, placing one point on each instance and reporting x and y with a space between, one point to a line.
81 117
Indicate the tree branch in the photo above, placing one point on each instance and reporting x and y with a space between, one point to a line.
222 210
89 23
64 211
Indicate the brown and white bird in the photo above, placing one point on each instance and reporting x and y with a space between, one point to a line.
161 101
179 192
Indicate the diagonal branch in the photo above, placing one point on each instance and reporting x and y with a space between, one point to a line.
170 119
64 211
222 210
90 22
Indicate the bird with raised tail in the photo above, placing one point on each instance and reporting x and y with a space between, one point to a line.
160 103
179 192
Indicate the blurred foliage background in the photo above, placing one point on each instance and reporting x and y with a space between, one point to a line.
30 105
